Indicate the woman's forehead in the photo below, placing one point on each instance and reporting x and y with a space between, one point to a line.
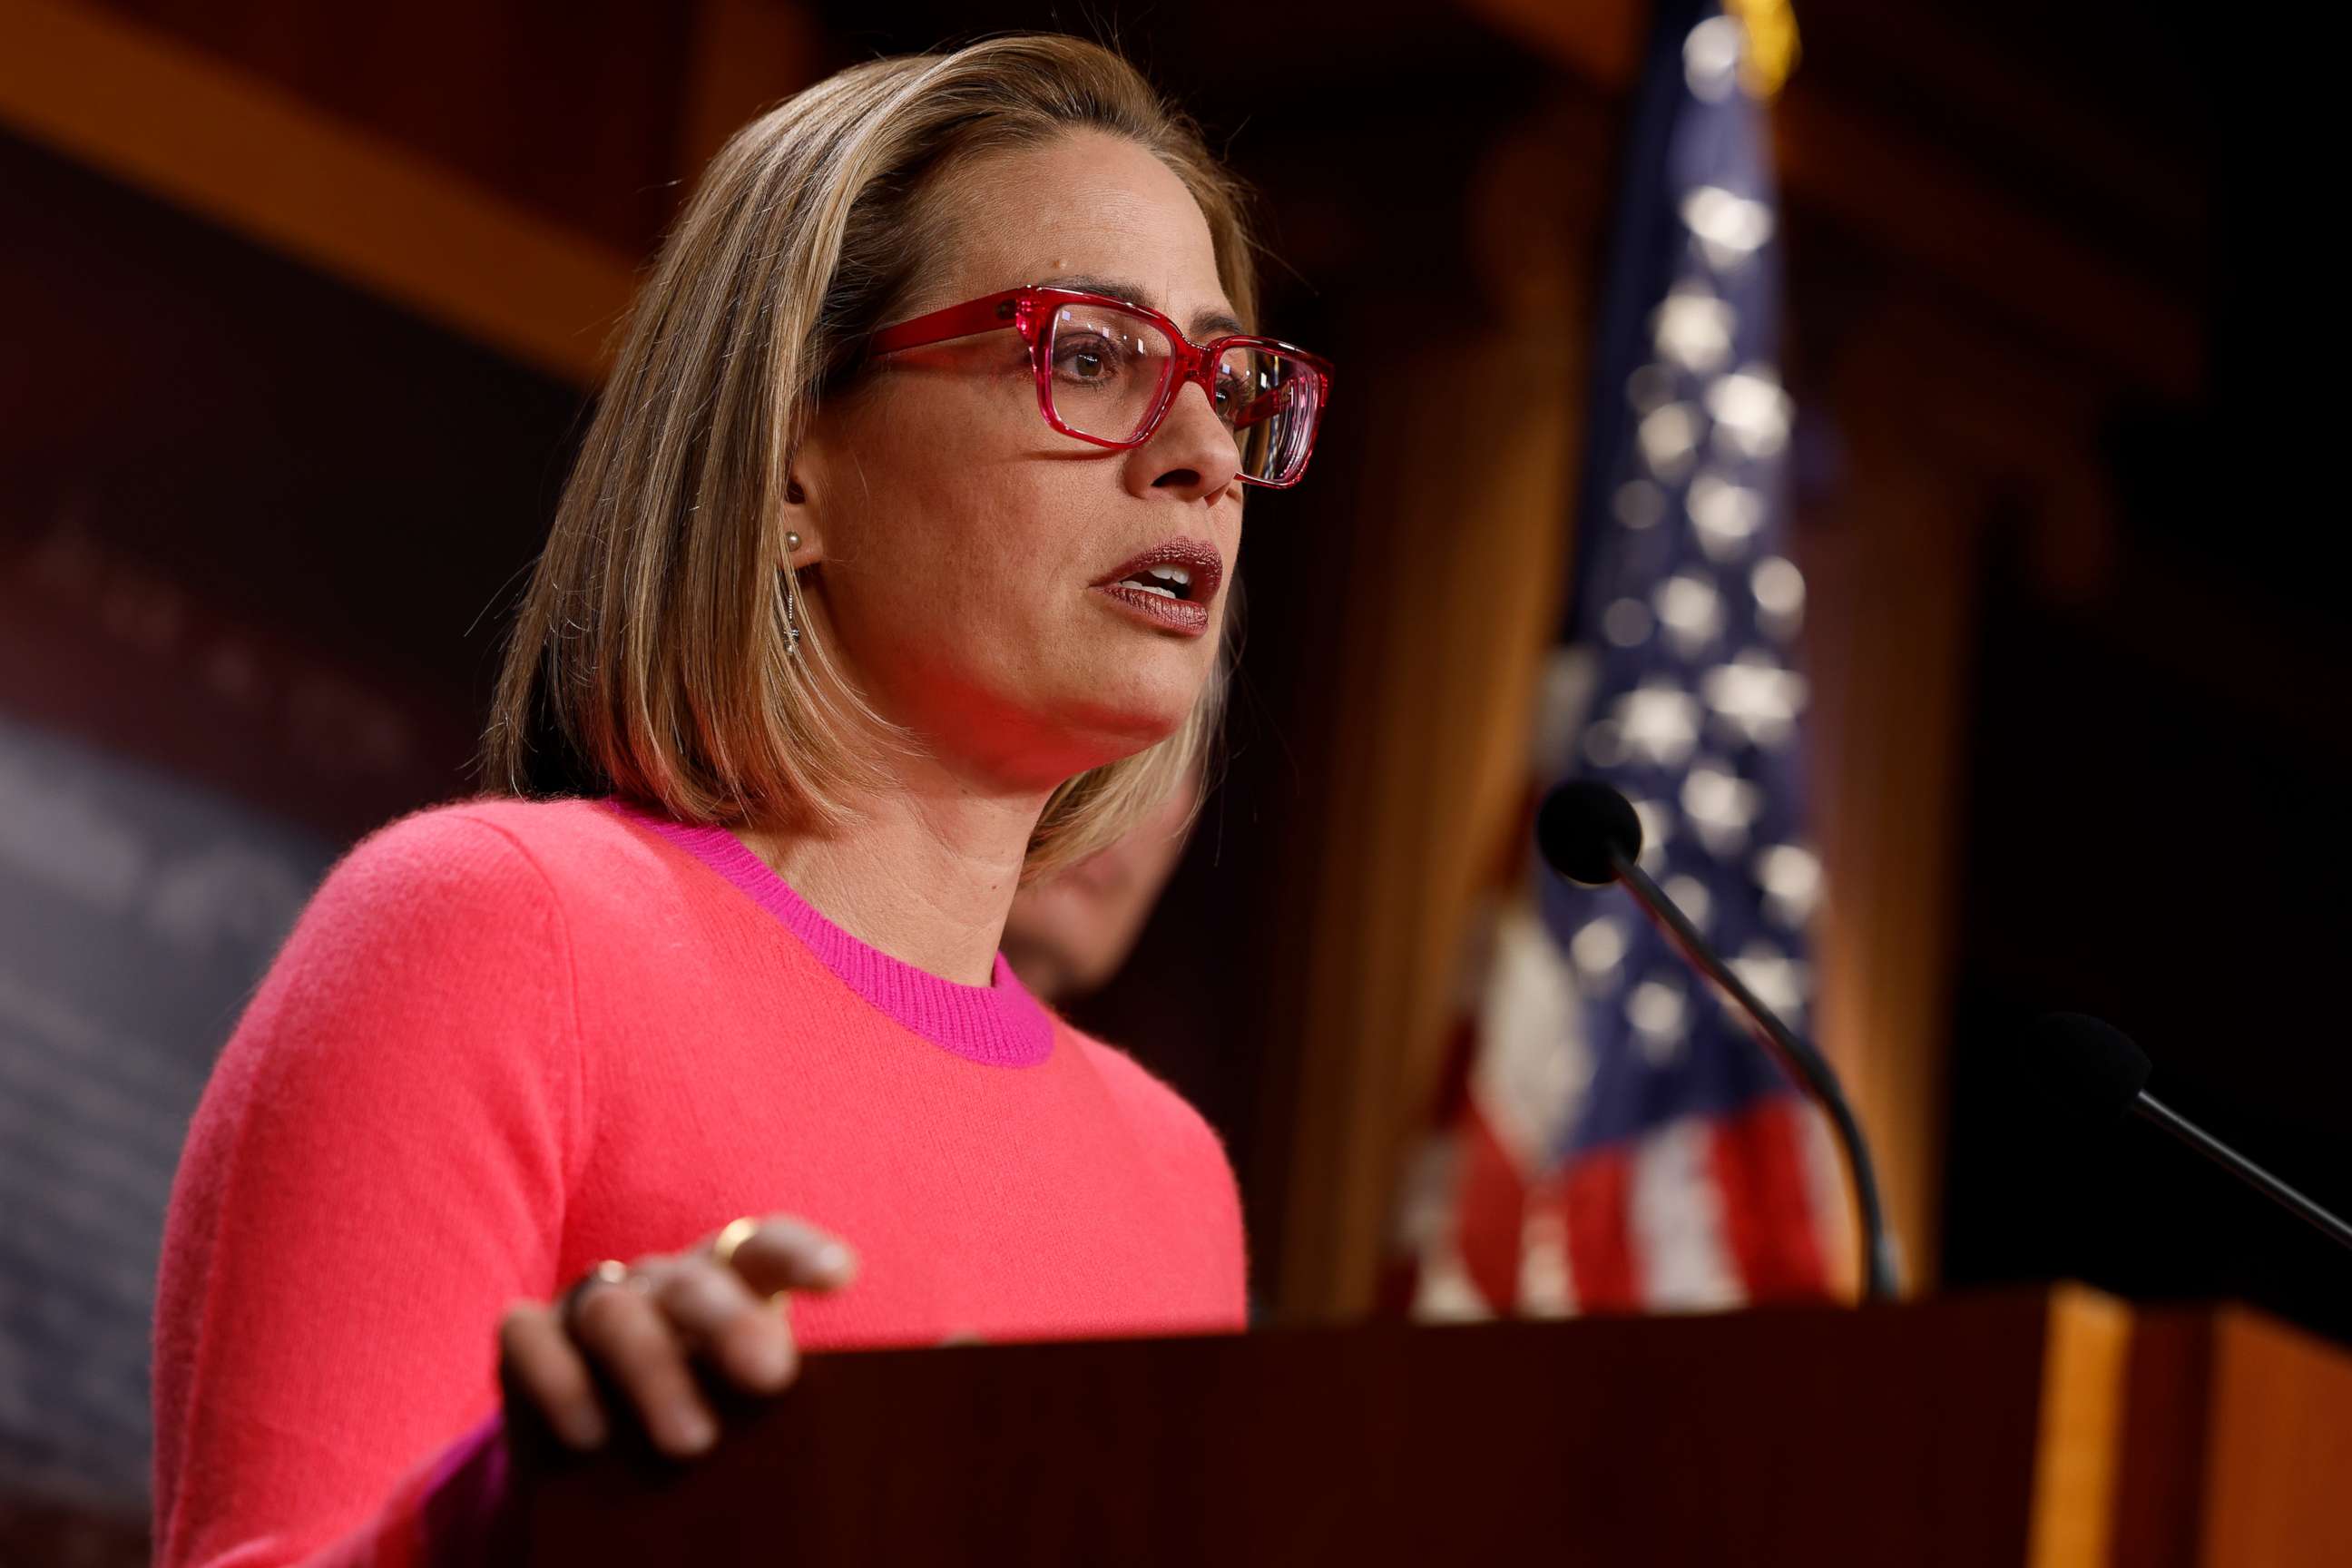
1082 208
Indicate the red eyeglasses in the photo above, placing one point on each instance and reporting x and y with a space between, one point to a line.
1107 371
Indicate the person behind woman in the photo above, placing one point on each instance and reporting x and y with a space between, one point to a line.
1067 935
891 573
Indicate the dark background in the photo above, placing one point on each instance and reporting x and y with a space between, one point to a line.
259 530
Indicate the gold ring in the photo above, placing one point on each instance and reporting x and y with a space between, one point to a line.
611 1271
738 1231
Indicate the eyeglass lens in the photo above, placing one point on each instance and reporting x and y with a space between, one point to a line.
1110 370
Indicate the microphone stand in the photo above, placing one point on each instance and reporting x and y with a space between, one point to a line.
2148 1108
1796 1057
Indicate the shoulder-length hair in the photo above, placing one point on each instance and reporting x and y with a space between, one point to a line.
649 657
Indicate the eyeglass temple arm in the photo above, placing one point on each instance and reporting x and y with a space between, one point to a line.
1266 406
955 322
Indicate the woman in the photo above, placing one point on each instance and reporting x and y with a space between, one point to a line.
892 573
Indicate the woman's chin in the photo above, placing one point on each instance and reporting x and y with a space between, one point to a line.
1104 747
1105 734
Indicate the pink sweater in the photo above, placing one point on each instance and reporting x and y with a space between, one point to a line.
508 1039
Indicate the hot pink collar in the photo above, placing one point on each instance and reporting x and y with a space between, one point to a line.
999 1024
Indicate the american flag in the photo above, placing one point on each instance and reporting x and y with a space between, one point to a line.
1618 1140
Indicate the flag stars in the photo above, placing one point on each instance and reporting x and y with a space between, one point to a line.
1627 623
1711 58
1597 948
1728 229
1721 805
1779 980
1727 515
1691 611
1639 504
1751 412
1690 895
1659 1016
1779 590
1668 435
1791 876
1657 827
1657 721
1693 328
1755 698
1652 387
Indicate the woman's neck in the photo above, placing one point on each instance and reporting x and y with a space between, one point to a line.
925 872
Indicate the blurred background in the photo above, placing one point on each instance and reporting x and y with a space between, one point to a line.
305 304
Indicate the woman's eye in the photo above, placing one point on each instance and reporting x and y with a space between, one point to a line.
1088 358
1234 393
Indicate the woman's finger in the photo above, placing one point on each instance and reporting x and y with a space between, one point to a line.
781 1253
540 1359
622 1330
736 1331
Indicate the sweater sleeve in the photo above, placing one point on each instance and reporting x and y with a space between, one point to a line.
377 1167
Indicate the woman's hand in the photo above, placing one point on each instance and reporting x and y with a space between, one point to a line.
643 1328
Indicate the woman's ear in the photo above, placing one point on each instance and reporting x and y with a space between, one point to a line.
804 542
808 471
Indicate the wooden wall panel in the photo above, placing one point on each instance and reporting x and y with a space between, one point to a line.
570 109
271 166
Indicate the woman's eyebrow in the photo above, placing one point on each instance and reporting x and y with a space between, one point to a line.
1205 323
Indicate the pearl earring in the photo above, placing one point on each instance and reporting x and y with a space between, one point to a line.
792 541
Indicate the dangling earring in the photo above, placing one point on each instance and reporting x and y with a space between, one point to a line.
791 630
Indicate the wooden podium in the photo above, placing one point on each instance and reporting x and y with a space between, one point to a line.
2041 1428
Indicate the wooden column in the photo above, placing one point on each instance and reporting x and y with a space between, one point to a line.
1454 598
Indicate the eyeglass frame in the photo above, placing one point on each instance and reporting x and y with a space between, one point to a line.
1029 310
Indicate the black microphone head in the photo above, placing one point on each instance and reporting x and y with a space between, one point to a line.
2087 1069
1580 824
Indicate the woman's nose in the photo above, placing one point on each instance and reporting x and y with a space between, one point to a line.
1192 453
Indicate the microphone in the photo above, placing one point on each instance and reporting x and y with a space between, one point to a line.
2092 1072
1589 833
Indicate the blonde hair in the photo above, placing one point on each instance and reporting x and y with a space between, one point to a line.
649 657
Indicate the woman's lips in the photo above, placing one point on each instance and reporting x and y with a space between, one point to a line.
1180 615
1189 587
1202 562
